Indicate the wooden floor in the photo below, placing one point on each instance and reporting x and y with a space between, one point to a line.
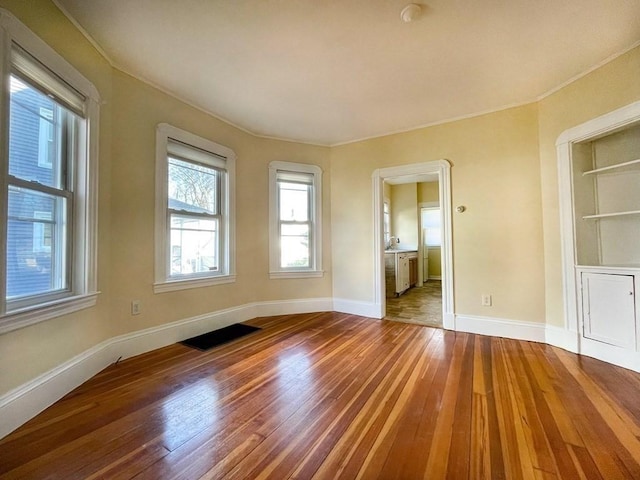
336 396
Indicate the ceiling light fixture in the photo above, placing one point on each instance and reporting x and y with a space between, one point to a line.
410 12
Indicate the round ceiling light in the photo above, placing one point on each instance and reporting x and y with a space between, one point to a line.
410 12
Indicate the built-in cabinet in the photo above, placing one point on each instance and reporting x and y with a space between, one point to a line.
608 307
605 178
398 271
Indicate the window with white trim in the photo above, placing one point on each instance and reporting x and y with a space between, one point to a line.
295 214
48 176
386 222
431 223
194 211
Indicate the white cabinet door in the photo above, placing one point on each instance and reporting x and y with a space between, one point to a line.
609 309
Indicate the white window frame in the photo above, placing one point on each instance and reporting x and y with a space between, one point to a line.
432 206
386 222
38 232
315 235
164 281
44 139
82 262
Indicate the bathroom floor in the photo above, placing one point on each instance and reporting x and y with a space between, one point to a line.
420 305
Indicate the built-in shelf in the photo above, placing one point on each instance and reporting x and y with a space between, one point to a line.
613 214
613 167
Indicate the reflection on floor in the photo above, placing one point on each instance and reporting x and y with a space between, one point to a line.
422 305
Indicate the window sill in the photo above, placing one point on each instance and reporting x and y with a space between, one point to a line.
39 313
297 274
173 285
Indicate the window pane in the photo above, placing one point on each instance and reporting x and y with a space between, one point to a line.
294 246
431 222
294 201
193 187
36 136
193 245
386 215
35 243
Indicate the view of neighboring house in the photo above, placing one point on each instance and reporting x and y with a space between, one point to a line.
35 217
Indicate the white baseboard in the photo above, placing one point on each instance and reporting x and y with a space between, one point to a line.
288 307
26 401
23 403
551 335
562 338
498 327
448 321
611 354
353 307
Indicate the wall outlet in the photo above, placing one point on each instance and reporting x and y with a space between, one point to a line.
135 307
486 300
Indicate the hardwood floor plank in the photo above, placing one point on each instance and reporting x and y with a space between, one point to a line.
596 435
344 426
462 453
381 437
438 460
347 457
539 448
295 435
330 395
400 420
560 450
621 430
250 424
516 441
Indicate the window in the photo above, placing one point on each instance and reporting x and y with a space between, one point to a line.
48 209
431 224
295 220
386 216
194 211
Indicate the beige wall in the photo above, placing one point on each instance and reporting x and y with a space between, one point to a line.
610 87
428 192
404 215
497 242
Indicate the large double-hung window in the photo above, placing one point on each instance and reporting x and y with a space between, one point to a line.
295 192
47 214
194 227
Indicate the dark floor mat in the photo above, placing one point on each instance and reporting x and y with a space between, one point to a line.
220 336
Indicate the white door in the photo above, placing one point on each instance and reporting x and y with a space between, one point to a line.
609 309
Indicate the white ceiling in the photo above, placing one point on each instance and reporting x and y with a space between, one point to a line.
335 71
